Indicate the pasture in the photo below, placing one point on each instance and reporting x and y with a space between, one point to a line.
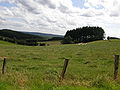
90 67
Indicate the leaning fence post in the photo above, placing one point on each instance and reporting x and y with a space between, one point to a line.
64 68
3 67
116 64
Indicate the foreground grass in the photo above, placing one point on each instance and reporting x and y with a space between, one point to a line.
38 68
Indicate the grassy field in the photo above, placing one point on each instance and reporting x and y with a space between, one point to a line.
52 42
90 67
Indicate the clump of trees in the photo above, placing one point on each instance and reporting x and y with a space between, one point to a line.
84 34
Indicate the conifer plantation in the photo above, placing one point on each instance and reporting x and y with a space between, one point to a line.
84 34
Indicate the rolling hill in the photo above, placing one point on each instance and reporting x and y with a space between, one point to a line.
19 37
46 35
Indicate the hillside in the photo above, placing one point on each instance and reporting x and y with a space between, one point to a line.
19 37
38 68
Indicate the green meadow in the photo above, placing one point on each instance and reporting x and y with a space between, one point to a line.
90 67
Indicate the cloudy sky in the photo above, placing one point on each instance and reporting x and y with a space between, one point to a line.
58 16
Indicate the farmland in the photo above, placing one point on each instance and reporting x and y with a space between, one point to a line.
90 67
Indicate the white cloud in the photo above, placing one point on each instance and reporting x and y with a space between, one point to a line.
58 16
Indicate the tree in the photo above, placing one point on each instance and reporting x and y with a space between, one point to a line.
67 40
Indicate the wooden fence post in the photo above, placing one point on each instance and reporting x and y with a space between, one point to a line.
64 68
3 68
116 64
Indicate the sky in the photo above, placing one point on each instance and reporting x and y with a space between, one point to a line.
58 16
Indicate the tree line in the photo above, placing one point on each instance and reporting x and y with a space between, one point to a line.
83 34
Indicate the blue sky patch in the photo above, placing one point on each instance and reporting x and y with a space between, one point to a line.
5 4
78 3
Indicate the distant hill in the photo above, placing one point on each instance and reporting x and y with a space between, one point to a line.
45 35
114 38
27 38
19 37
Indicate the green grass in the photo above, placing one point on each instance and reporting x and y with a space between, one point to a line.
52 42
39 67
